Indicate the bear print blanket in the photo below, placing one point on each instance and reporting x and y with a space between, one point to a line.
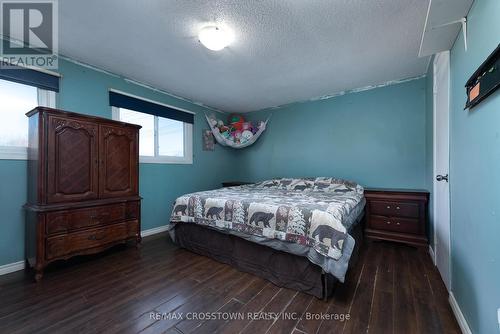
307 211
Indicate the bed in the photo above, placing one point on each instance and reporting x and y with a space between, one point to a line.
298 233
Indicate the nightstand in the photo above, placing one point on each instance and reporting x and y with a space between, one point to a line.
234 183
397 215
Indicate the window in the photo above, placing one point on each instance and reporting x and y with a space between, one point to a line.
161 139
170 137
16 100
146 133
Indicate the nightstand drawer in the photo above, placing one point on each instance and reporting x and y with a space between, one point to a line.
394 224
397 209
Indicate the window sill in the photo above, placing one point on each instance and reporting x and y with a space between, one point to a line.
13 153
166 160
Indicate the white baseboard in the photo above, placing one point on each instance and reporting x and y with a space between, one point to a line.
155 230
459 315
11 267
433 256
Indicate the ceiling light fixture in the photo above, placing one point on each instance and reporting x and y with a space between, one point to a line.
215 38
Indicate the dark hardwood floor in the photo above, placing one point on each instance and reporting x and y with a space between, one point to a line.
158 288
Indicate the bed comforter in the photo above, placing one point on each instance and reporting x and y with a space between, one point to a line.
307 211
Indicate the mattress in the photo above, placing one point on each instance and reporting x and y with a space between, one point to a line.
306 217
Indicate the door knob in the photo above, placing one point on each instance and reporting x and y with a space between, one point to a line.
442 178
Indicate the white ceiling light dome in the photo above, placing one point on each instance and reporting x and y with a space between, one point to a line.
215 38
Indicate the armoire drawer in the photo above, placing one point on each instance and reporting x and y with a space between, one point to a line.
64 245
71 220
133 210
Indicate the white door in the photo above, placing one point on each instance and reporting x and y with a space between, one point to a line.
441 165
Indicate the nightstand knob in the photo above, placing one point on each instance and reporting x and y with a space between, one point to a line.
398 224
388 223
397 208
388 207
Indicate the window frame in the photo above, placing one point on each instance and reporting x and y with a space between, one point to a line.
45 98
187 159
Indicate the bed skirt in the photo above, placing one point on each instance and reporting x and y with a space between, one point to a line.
281 268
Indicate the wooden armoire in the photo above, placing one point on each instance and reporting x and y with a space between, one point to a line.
82 186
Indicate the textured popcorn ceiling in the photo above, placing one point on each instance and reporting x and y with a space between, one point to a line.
284 50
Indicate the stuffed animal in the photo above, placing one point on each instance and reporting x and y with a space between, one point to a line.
246 135
237 134
246 126
213 122
255 127
237 126
235 118
236 121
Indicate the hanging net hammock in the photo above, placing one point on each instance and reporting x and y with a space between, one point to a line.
235 138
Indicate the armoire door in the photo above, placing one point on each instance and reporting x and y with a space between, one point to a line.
72 160
118 152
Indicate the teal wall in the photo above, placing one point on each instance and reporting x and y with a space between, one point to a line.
375 137
475 177
85 90
12 197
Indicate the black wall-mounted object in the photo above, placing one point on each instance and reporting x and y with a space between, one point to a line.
484 81
30 77
140 105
